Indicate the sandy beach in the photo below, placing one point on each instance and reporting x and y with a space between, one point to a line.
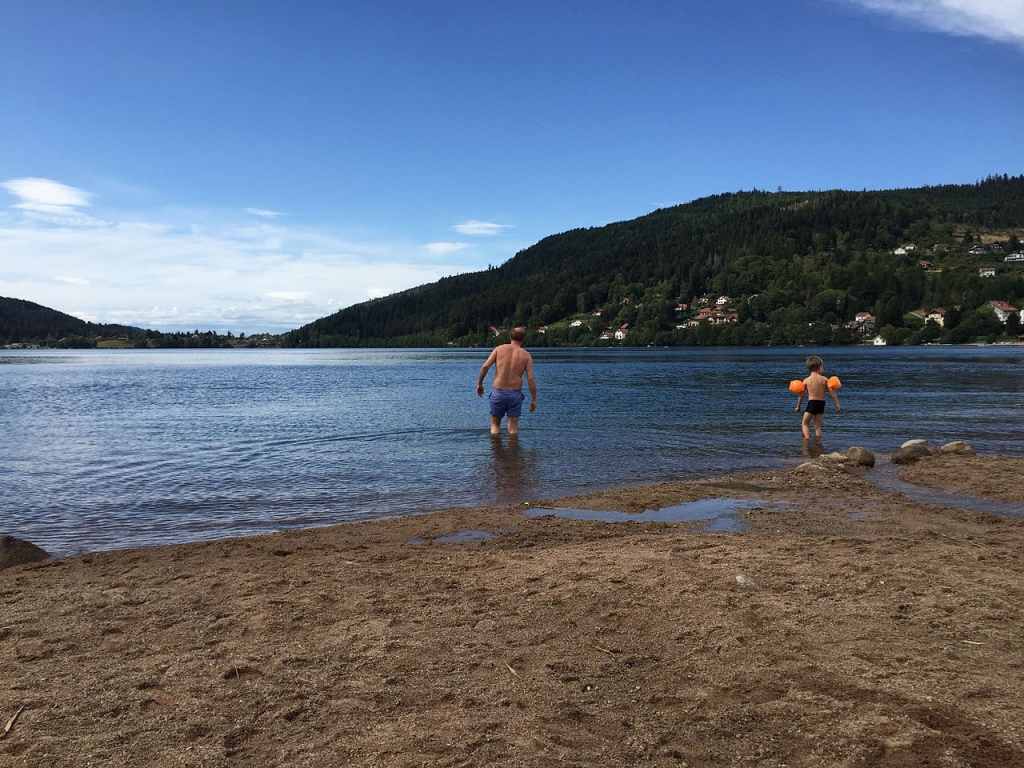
844 626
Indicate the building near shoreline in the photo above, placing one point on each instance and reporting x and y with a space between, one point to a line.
1002 309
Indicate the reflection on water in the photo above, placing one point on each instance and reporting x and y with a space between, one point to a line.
512 467
722 513
813 447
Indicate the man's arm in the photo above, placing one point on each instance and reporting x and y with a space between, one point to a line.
483 371
532 384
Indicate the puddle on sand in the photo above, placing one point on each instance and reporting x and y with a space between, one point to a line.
460 537
718 515
883 476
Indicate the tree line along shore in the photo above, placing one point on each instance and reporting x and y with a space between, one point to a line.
932 264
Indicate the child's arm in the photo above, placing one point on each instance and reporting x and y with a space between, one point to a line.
835 397
800 397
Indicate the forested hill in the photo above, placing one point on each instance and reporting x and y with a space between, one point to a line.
25 321
796 266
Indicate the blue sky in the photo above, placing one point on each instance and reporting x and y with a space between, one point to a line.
253 166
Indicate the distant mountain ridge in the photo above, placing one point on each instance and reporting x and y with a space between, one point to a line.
795 266
783 268
27 322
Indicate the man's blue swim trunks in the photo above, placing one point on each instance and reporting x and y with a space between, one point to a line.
507 402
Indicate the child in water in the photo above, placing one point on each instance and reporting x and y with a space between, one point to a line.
815 387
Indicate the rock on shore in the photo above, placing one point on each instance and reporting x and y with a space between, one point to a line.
913 450
17 552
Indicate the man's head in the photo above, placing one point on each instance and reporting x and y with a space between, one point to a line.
814 364
518 334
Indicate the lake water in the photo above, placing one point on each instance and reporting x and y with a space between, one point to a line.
113 449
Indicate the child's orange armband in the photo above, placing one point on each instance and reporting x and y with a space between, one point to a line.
796 386
834 382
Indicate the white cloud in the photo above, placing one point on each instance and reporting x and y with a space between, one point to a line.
46 196
1001 20
289 295
439 249
264 213
485 228
170 273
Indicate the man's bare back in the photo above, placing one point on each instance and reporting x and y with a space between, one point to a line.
510 362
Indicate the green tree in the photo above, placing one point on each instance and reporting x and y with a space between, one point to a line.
952 318
889 311
931 331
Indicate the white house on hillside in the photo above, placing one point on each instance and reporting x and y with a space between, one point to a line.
1002 310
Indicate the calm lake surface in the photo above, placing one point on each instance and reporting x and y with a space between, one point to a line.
112 449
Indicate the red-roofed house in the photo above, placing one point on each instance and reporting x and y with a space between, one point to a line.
1002 310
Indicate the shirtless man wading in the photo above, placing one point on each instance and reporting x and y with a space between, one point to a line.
510 362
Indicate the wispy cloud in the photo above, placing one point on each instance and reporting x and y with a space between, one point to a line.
264 213
485 228
1001 20
439 249
46 196
289 295
181 271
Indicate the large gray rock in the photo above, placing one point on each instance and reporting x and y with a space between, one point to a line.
17 552
912 451
812 466
861 456
957 448
911 443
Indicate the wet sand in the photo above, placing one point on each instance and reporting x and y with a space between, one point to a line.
844 626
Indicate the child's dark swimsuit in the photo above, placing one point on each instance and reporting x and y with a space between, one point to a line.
814 407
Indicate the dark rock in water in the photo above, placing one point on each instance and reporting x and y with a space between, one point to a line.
17 552
957 448
912 450
861 456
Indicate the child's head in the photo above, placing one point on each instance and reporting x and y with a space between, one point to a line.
814 364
